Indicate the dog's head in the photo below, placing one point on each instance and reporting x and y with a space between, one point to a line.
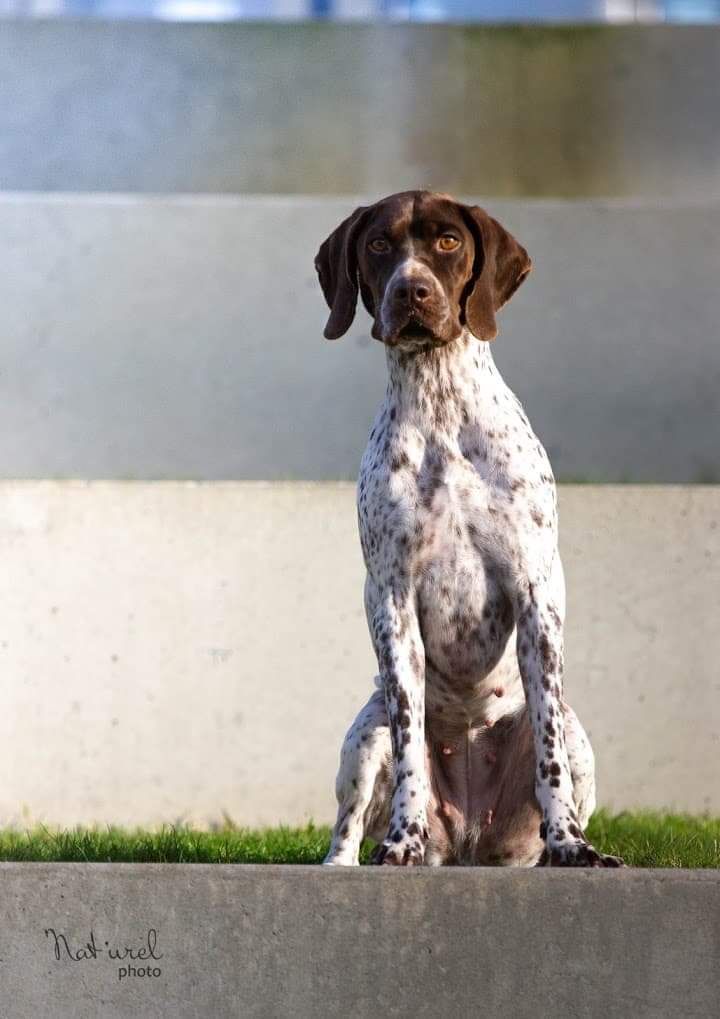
426 267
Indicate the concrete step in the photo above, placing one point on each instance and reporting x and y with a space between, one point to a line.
176 337
177 650
269 941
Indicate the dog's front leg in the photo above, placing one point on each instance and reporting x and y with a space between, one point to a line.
401 658
540 656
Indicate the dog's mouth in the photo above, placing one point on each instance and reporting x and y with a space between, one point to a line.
415 335
414 332
414 329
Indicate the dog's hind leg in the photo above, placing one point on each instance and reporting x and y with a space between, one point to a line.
582 766
364 783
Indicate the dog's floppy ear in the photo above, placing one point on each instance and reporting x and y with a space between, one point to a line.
501 264
336 264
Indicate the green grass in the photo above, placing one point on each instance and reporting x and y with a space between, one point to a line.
642 839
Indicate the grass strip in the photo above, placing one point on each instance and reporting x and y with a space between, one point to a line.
643 839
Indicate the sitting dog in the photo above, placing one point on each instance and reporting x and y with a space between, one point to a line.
467 752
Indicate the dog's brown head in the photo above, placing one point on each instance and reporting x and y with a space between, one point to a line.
426 266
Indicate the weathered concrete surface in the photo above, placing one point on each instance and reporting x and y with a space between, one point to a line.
279 941
177 651
335 109
176 338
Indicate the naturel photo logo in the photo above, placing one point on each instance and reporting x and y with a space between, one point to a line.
124 956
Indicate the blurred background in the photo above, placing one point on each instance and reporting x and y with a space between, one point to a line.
645 11
181 625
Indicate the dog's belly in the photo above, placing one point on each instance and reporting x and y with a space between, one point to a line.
482 806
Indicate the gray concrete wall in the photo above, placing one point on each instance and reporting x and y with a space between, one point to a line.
182 337
183 651
266 942
328 108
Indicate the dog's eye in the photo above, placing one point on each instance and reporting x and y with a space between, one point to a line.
379 245
448 242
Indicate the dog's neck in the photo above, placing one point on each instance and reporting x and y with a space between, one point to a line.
445 388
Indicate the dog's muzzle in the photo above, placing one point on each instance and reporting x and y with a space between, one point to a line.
414 311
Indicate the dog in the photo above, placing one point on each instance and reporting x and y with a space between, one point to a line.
467 752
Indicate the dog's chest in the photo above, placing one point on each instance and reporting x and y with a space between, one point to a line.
457 570
431 518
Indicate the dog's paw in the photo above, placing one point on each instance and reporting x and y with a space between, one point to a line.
402 854
402 849
579 854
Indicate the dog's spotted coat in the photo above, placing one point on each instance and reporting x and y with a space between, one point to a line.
466 752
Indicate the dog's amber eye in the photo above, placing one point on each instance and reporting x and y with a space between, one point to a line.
447 242
379 245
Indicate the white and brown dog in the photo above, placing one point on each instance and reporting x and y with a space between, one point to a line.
467 752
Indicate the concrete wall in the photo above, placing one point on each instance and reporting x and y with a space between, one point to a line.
182 651
263 942
182 337
333 109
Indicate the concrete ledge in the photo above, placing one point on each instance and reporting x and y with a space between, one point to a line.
181 337
179 650
337 108
308 942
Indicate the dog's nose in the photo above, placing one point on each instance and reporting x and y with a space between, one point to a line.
411 292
